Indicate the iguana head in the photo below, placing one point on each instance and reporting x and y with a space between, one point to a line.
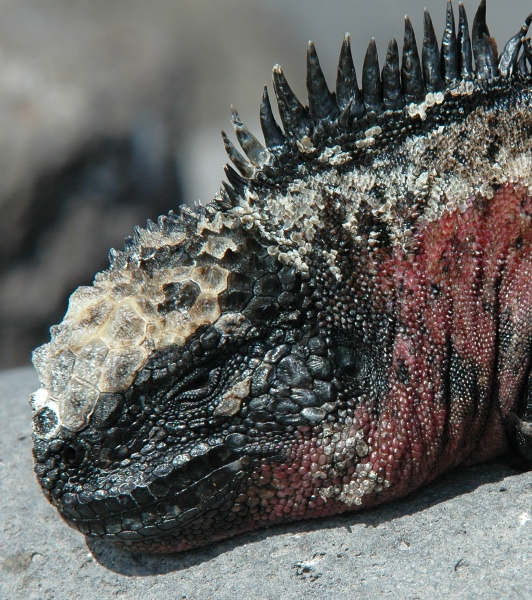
260 359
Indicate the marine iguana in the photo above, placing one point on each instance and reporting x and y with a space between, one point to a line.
349 318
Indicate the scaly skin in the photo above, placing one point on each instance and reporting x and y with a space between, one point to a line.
350 318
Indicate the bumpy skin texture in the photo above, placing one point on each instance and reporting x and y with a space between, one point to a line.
351 317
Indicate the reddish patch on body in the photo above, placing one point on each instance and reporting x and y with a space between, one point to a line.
461 347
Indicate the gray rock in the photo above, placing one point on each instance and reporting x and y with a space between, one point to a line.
465 536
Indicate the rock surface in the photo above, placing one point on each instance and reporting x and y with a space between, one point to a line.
465 536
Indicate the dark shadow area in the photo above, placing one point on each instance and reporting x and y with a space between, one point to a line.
445 488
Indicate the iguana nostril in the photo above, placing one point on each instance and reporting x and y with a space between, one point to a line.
73 454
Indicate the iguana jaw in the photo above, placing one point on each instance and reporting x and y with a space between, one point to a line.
162 509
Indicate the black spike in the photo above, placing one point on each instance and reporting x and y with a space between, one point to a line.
221 203
236 180
449 48
431 57
321 102
237 159
508 60
392 92
254 150
484 46
348 93
231 197
371 79
464 45
273 134
293 114
413 87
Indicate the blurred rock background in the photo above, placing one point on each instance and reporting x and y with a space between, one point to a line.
110 112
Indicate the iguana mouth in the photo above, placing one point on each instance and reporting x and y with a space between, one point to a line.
166 503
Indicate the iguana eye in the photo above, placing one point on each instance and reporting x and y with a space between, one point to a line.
197 385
